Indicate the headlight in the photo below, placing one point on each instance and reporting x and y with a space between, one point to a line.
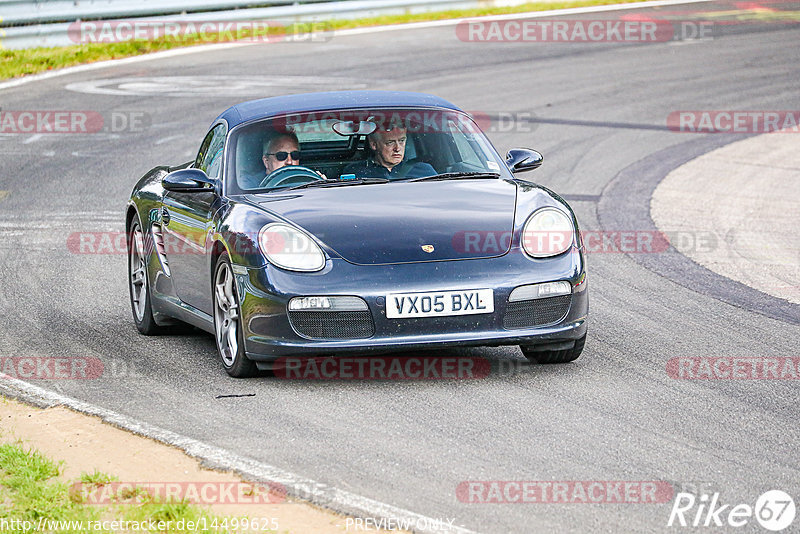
289 248
548 232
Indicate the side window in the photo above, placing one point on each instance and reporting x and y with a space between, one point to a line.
465 149
209 158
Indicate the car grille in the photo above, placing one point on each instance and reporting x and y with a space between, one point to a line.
539 312
333 324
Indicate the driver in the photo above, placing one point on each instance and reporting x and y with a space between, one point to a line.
389 149
281 149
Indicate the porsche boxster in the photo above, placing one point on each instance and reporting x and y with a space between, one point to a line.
355 222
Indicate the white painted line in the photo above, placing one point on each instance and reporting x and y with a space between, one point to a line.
124 61
206 85
355 31
31 139
296 486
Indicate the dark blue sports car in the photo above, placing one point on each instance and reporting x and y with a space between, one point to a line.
346 222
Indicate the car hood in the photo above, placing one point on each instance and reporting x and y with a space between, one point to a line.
397 222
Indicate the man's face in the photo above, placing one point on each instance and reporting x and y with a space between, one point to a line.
281 144
389 147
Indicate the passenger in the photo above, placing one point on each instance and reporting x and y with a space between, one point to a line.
389 150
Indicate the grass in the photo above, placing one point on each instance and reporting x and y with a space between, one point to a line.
97 478
15 63
30 490
29 493
180 513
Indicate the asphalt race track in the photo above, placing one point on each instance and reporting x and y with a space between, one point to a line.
596 111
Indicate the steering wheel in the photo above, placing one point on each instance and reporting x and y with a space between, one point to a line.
289 175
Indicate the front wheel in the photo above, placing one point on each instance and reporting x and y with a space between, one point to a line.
137 282
564 355
227 322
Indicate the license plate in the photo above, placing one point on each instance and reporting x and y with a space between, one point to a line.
439 303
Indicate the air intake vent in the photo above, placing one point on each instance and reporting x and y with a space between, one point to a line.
158 239
538 312
333 324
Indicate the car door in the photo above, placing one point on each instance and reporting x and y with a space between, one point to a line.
187 221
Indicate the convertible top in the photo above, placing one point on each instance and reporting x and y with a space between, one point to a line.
303 103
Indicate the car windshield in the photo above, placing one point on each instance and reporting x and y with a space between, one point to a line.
365 146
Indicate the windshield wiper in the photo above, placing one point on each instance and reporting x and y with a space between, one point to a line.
334 183
456 176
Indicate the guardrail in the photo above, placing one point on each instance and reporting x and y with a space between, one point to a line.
26 24
14 12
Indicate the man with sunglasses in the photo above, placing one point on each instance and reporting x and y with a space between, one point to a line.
280 150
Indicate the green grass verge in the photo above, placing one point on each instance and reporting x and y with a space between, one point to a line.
97 478
27 492
30 491
15 63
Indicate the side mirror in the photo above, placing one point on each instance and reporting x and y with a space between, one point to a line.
523 159
187 181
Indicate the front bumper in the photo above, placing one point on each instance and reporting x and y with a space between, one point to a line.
268 334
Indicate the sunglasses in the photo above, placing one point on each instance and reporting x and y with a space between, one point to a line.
281 156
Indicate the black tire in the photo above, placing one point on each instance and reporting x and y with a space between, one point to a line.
227 321
139 289
555 356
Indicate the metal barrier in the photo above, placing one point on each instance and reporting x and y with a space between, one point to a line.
26 24
14 12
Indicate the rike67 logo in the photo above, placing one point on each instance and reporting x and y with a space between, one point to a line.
774 510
